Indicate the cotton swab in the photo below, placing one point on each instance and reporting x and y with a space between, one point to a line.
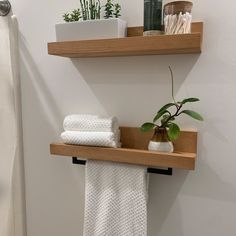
178 24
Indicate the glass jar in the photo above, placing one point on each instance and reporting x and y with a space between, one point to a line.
178 17
152 17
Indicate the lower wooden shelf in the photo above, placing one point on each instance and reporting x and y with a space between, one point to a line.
134 150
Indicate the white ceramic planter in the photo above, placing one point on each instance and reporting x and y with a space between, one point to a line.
160 146
160 141
91 29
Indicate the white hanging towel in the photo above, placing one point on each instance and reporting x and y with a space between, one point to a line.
11 184
116 199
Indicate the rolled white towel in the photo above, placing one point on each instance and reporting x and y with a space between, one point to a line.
101 139
78 117
90 123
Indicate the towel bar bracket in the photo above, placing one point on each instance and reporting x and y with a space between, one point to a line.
169 171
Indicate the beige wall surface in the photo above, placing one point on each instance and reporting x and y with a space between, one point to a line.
196 203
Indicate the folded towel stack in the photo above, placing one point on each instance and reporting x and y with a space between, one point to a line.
91 131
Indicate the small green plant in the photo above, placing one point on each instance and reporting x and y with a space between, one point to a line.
109 9
117 10
166 118
75 15
91 10
112 10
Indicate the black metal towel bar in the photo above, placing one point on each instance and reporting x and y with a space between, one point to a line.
169 171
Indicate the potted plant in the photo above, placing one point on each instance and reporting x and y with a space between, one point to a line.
87 22
165 129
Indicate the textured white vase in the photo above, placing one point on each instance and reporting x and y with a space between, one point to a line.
91 29
161 146
160 141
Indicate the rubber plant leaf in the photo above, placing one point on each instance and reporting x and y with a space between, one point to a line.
173 131
189 100
193 114
147 127
166 107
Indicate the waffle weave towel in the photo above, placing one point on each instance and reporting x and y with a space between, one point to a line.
90 123
100 139
116 200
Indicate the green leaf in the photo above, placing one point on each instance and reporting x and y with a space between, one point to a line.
147 126
189 100
193 114
166 107
162 111
159 115
173 132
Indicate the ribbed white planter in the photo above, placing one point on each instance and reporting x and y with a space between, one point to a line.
160 141
160 146
91 29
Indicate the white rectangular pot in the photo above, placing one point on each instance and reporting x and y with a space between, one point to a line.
91 29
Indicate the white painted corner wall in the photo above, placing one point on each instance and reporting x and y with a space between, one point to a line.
196 203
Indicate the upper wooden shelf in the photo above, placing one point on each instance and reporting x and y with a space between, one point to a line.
133 45
134 150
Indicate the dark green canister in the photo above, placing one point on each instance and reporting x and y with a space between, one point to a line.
152 17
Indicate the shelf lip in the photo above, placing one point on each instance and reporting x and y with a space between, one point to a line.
130 46
179 160
161 36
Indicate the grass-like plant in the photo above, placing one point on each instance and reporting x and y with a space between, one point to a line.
166 118
91 10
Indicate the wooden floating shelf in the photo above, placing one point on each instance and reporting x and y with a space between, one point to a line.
133 45
134 150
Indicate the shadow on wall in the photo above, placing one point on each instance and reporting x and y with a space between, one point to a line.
205 182
44 174
163 192
132 88
135 70
39 88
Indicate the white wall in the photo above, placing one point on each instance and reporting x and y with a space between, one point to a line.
196 203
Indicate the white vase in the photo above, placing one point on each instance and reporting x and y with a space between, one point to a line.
160 146
91 29
160 141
